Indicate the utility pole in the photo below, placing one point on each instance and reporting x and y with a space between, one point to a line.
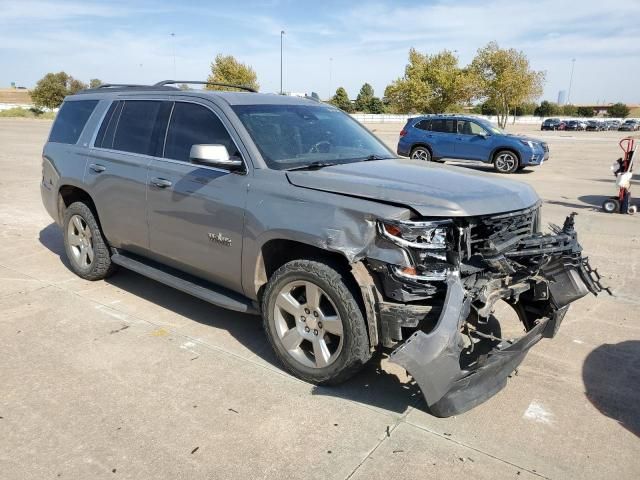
281 42
330 76
173 48
573 64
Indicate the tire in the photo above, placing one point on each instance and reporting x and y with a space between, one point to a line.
611 205
84 244
307 347
505 161
421 153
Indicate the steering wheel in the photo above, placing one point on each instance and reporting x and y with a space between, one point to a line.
321 147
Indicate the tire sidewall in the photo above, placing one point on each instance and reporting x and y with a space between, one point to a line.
353 323
100 267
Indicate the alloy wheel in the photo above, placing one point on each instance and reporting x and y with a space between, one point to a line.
308 324
80 241
421 154
506 162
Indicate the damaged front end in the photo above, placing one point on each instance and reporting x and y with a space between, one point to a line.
442 305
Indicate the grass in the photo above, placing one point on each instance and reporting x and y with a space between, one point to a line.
18 112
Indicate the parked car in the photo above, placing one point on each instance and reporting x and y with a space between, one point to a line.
629 126
289 208
595 126
575 125
436 137
612 124
552 124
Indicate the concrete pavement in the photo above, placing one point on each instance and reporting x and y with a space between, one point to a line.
127 378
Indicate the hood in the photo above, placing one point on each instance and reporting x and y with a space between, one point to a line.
430 189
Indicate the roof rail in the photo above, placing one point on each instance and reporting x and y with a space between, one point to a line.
116 85
198 82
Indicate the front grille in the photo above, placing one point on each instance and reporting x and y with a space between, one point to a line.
501 233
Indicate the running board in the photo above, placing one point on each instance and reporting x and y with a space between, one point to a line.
186 283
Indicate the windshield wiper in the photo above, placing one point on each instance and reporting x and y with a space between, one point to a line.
313 166
375 157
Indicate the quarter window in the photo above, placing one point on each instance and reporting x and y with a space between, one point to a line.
192 124
71 120
423 125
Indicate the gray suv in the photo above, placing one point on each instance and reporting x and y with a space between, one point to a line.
289 208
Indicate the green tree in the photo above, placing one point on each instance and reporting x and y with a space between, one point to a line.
504 78
376 105
95 83
585 112
226 69
569 110
364 98
341 100
51 89
431 84
618 110
546 109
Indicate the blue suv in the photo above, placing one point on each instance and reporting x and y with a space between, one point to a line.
435 137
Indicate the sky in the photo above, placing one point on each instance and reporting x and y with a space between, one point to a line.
327 43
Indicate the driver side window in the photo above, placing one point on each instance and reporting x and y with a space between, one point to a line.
193 124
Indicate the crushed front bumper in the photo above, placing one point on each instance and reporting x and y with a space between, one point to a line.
434 358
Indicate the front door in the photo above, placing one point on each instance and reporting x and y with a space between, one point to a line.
196 212
472 141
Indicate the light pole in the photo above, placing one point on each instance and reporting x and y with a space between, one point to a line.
281 42
330 76
173 48
573 64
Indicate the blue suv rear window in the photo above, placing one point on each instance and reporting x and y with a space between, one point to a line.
71 120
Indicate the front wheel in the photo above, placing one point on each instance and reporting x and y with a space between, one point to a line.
421 153
611 205
505 161
314 323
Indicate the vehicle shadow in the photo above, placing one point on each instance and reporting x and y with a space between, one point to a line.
589 202
611 375
484 167
372 386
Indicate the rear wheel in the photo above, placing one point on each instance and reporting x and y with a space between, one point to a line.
314 322
421 153
611 205
505 161
86 248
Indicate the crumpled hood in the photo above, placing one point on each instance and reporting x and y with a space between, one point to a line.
430 189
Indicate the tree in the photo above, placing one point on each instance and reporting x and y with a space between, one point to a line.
431 84
51 89
341 100
546 109
376 105
226 69
585 112
569 110
618 110
504 78
364 98
95 83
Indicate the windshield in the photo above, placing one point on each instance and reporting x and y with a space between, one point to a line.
290 136
491 127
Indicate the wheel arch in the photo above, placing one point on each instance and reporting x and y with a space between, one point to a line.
68 194
421 144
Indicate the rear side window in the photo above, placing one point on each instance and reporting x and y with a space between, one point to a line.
135 127
423 125
443 126
71 120
193 124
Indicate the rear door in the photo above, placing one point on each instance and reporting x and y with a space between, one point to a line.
196 212
472 141
129 136
443 137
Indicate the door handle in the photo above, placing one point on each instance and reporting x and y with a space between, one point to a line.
161 182
97 168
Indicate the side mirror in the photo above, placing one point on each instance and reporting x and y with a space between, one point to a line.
483 134
214 156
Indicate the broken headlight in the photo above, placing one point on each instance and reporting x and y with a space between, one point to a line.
428 235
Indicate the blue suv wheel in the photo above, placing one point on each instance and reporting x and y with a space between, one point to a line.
421 153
